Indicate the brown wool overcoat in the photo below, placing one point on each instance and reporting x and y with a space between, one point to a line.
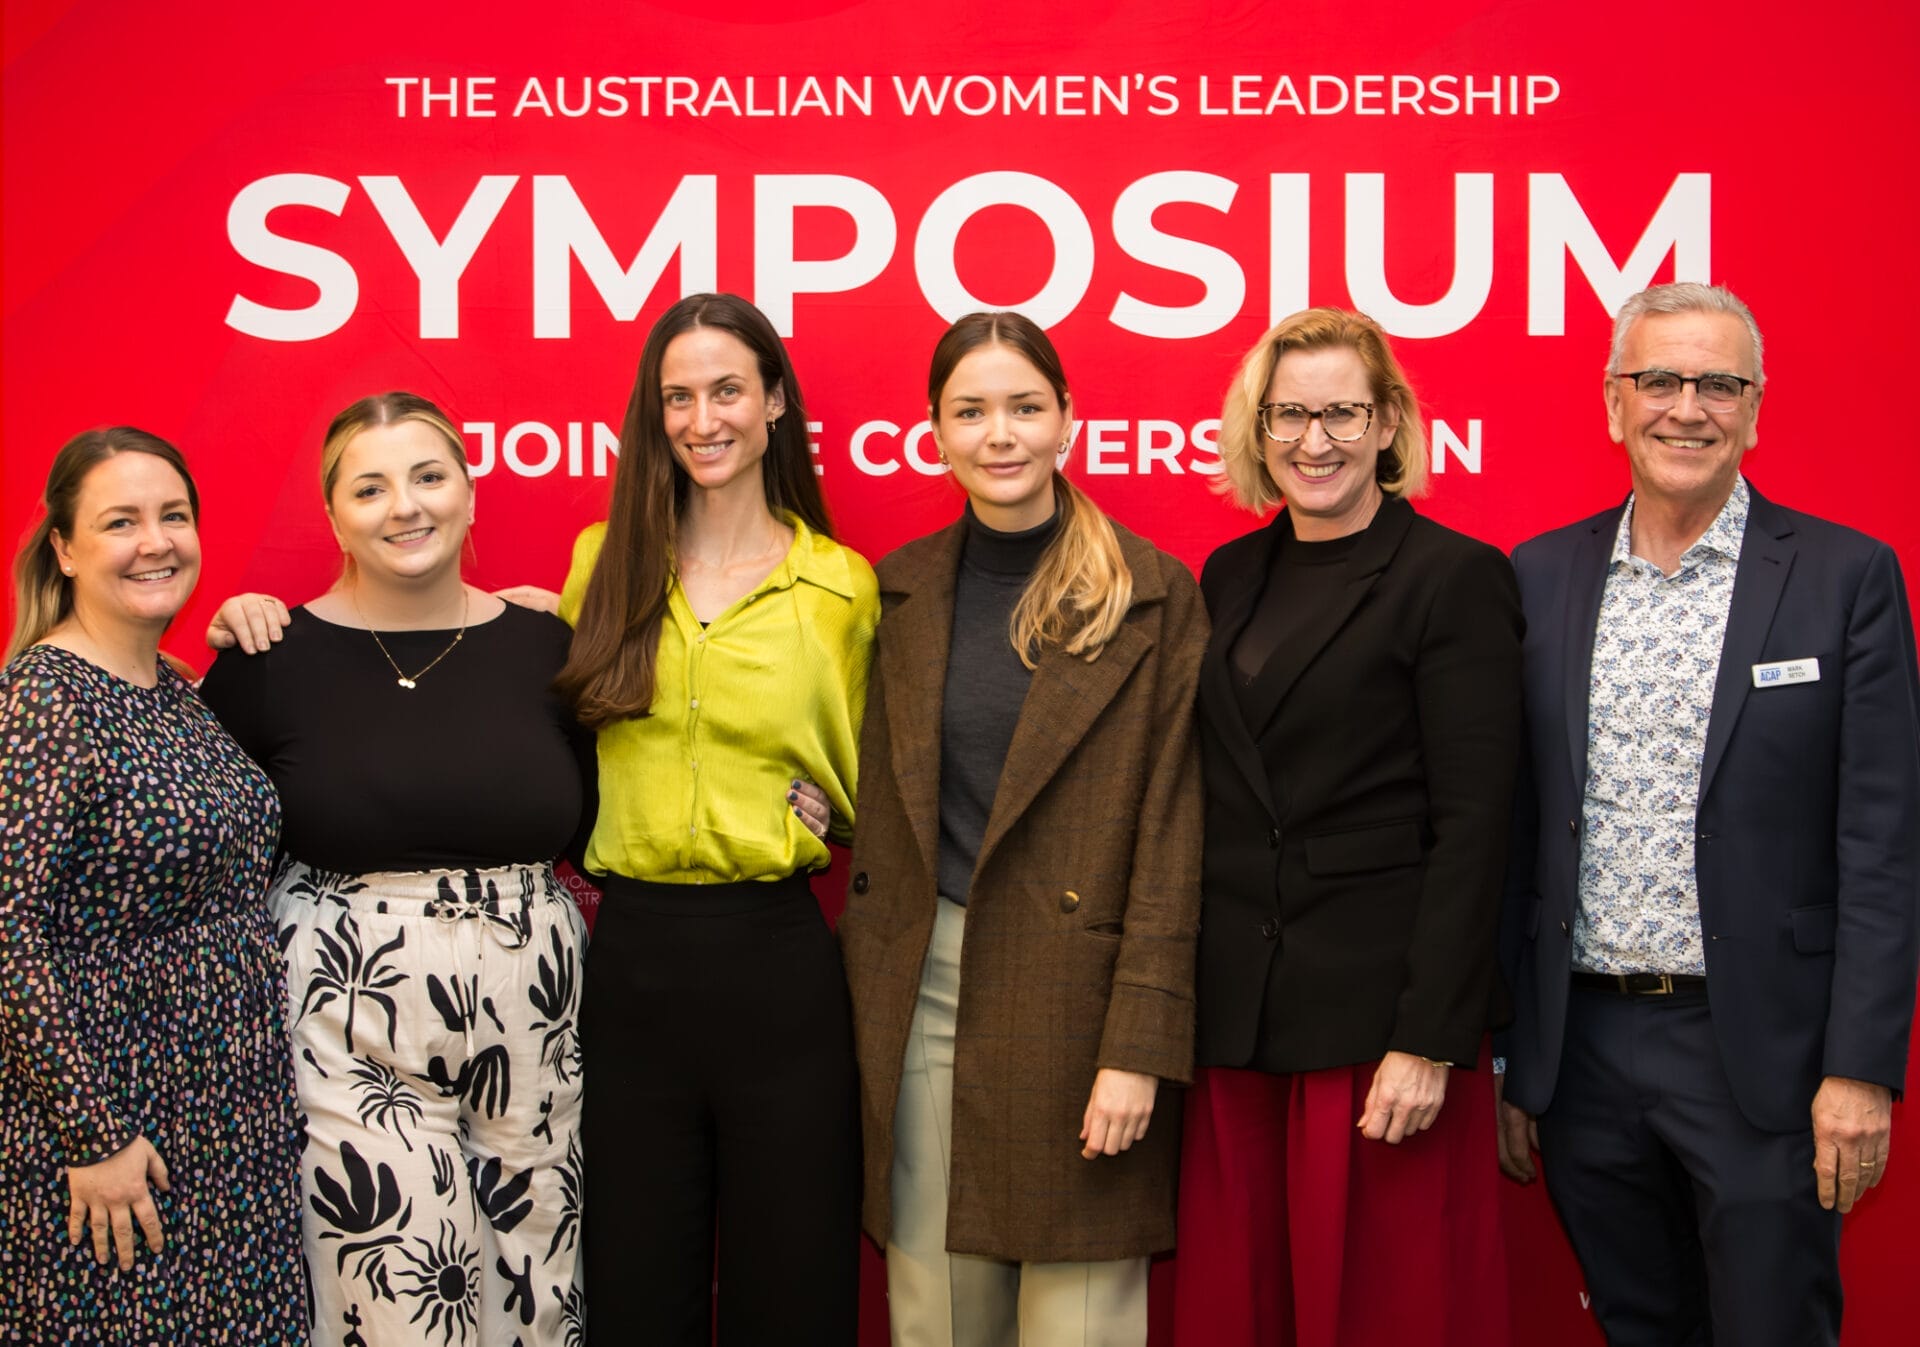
1081 919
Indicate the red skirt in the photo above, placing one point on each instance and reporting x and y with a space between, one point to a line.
1296 1231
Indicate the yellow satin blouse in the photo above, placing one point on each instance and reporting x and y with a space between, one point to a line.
773 688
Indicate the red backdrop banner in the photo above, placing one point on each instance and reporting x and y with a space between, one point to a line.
224 221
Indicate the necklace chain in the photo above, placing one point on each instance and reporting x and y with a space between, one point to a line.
399 673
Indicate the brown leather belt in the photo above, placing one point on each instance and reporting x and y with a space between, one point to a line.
1640 984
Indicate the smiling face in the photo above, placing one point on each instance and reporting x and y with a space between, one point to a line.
401 504
134 553
1001 427
1685 454
715 408
1330 488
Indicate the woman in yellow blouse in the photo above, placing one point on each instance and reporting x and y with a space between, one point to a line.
720 650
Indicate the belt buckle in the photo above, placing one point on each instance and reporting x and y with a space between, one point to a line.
1662 984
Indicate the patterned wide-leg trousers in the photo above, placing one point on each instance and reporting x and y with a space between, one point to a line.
437 1055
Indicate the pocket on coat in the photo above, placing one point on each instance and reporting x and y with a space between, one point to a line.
1814 927
1383 846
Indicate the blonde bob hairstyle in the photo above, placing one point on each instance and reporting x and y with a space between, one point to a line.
382 409
1080 592
1402 467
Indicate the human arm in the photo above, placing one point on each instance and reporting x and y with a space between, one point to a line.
809 805
1467 701
1878 888
1852 1122
1118 1111
47 765
1404 1098
866 621
1149 1024
1877 835
253 622
1516 1135
111 1197
586 555
530 596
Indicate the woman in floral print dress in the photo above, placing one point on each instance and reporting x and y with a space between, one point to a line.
148 1156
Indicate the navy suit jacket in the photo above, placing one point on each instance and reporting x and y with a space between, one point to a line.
1808 823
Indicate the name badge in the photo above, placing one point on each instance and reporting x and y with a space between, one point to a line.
1786 671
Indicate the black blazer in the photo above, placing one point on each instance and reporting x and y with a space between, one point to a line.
1807 843
1356 832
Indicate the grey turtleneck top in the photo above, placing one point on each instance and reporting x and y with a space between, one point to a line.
986 685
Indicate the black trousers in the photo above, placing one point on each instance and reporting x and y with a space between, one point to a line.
721 1100
1692 1225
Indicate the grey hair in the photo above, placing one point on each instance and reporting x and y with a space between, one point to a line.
1685 297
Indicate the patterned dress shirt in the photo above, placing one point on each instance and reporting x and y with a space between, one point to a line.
1656 655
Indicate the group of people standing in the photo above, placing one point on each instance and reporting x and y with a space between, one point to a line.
303 1040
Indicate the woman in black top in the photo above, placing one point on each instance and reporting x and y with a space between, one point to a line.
1359 725
429 776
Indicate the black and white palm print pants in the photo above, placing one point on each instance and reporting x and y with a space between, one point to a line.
437 1053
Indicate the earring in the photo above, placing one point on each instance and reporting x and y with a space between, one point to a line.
67 570
772 421
941 454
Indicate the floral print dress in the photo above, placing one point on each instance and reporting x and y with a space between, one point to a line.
141 995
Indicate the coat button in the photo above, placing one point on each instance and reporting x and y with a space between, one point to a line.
1573 827
1273 838
1270 928
1564 930
1069 901
860 882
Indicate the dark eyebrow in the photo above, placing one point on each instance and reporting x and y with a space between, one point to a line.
1011 397
178 502
714 382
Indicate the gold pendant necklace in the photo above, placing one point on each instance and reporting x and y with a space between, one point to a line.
399 673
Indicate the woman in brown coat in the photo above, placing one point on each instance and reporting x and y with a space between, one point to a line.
1020 933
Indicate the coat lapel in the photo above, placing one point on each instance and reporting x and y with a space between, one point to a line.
1586 584
1376 548
1065 698
1218 702
915 631
1766 558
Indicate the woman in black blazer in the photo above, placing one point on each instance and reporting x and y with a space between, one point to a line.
1360 725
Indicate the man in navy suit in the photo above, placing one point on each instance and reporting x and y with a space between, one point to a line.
1710 927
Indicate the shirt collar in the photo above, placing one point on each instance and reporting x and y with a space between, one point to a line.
1722 537
814 559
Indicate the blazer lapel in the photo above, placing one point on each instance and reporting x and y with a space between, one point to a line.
915 632
1370 557
1218 702
1067 695
1586 585
1766 558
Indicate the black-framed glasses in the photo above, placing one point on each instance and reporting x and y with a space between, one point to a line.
1661 388
1288 421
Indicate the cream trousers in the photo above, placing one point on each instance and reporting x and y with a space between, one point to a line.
941 1299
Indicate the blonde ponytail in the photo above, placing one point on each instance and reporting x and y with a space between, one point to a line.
1082 588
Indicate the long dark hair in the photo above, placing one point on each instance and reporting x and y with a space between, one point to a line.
43 596
609 674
